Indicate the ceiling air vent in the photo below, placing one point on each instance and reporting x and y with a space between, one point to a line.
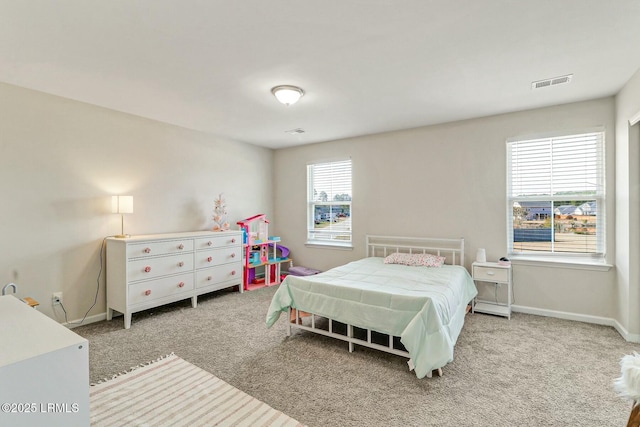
552 82
294 131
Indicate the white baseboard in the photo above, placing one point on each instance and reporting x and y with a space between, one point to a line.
606 321
625 334
89 319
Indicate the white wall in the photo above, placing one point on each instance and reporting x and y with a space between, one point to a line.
61 160
628 207
449 181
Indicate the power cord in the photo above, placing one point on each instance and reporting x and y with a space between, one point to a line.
95 299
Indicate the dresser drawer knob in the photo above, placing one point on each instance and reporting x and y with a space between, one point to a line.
233 273
147 250
209 243
209 278
233 255
147 269
233 240
180 246
209 259
490 273
181 264
147 292
181 285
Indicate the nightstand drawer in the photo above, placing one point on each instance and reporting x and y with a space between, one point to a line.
490 274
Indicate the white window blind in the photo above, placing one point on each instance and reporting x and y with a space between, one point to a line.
556 194
329 203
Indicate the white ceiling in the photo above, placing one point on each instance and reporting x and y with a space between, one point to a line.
367 66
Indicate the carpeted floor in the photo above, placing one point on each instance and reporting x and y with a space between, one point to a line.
527 371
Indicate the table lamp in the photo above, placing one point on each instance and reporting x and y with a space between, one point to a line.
122 205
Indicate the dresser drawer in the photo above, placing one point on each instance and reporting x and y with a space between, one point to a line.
217 241
221 273
137 250
148 268
490 274
142 292
218 256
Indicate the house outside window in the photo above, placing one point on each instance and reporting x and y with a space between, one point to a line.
556 196
329 194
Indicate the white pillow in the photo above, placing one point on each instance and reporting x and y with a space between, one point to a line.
415 260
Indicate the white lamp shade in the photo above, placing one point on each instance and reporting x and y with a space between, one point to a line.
481 255
287 95
122 204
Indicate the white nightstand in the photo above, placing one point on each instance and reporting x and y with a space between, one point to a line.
497 274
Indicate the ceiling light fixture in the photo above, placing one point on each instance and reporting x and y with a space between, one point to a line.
288 95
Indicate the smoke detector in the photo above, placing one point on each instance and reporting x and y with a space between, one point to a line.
295 131
552 82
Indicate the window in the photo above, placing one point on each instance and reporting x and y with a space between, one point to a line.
555 196
329 203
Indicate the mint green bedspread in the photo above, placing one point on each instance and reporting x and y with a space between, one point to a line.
424 306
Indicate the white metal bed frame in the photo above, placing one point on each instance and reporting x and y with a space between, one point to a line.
381 246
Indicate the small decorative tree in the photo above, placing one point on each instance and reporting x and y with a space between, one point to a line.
220 214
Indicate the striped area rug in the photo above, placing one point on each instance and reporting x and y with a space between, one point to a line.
172 392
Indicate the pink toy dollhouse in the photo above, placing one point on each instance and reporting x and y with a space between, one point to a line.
260 253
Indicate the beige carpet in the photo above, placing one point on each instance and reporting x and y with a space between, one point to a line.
173 392
528 371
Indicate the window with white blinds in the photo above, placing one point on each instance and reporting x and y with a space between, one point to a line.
329 203
556 195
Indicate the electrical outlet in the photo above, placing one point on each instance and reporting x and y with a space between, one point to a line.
56 299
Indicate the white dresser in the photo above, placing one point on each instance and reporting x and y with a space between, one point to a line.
44 369
150 270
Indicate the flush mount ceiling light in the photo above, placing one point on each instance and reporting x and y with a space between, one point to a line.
287 95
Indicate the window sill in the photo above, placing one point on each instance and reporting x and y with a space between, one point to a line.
560 262
329 245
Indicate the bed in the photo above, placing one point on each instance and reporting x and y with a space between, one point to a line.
411 311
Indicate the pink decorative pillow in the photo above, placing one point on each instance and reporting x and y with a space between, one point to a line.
415 260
